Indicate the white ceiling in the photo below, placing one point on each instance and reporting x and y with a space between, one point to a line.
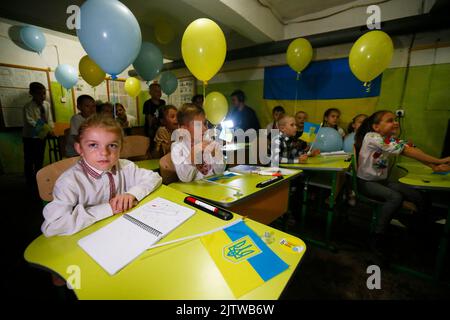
286 10
244 22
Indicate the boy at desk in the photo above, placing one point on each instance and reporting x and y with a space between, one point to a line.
291 149
100 184
194 155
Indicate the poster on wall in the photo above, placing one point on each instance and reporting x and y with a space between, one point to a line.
14 87
185 91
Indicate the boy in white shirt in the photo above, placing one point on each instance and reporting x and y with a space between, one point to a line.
100 184
86 106
194 160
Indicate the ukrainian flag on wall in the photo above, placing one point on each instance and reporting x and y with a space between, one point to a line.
322 85
244 260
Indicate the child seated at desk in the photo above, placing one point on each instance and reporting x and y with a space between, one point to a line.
375 143
291 148
100 184
163 139
194 155
86 106
331 120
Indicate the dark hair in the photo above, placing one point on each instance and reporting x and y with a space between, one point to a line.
197 96
154 84
327 113
82 98
187 112
350 128
278 109
163 110
366 127
239 94
35 87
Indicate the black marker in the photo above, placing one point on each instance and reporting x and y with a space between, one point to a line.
219 213
268 182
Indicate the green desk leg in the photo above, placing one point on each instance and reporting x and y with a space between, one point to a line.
331 207
442 250
304 205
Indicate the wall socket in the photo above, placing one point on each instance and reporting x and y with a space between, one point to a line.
63 100
400 113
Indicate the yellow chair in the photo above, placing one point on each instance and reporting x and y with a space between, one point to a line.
135 148
167 170
47 176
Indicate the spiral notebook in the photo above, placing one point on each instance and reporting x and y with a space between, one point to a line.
123 240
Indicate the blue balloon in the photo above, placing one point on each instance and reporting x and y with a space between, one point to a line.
349 141
168 82
66 75
33 38
110 34
328 140
149 62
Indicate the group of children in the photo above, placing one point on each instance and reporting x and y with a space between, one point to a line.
101 184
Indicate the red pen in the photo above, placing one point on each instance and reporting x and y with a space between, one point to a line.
202 204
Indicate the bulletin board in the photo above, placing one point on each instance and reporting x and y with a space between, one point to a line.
185 91
109 90
14 87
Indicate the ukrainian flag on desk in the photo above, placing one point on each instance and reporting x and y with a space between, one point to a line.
322 85
244 260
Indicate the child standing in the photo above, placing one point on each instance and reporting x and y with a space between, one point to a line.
277 113
169 123
195 157
151 107
37 125
100 184
375 143
331 119
86 106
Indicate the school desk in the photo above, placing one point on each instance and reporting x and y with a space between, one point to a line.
151 164
178 271
420 176
328 167
240 194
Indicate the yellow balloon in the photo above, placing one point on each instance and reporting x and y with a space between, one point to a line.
203 48
371 55
164 32
133 86
90 71
299 54
216 107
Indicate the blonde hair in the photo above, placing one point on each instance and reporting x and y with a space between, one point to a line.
100 121
187 112
283 121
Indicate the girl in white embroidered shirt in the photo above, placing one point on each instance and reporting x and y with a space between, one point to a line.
100 184
375 143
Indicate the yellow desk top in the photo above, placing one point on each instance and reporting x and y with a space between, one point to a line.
421 176
321 163
230 191
178 271
151 164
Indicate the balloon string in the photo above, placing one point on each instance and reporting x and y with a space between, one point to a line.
204 92
296 93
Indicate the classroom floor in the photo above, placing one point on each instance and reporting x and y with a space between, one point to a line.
321 275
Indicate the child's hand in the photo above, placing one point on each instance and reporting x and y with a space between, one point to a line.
203 168
441 168
315 152
303 158
445 160
122 202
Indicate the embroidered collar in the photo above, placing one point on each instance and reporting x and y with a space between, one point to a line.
94 173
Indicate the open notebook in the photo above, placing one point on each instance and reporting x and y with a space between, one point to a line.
120 242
